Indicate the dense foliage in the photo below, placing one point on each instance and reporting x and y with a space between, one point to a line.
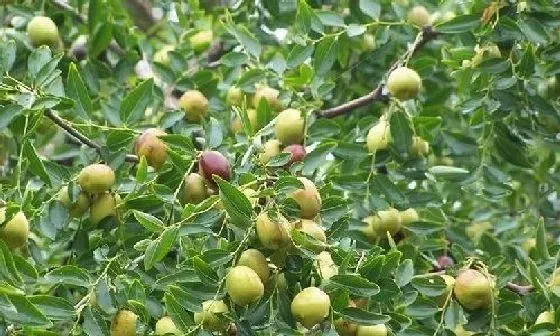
352 167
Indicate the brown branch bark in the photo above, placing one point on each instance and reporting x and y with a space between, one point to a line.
62 123
519 289
427 34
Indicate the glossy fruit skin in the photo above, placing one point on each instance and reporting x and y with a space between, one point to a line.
409 216
270 95
255 260
545 317
419 16
152 147
390 221
124 324
201 40
420 147
234 96
310 306
374 330
449 283
42 31
473 290
272 233
244 285
289 128
378 136
103 206
165 326
194 189
209 316
444 262
214 163
270 149
297 151
16 231
308 199
162 56
80 205
345 328
195 105
96 178
404 83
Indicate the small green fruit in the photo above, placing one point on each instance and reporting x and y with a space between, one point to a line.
368 42
545 317
96 178
409 216
374 330
311 306
404 83
378 136
255 260
124 324
420 147
103 206
390 221
272 233
244 285
485 52
194 189
270 149
473 290
166 326
80 205
16 231
308 199
372 228
162 56
201 40
290 127
210 315
42 31
234 96
237 125
152 147
419 16
270 95
195 105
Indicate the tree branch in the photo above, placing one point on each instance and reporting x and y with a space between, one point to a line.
519 289
427 34
62 123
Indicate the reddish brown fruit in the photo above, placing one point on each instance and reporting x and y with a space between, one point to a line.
152 147
445 262
297 151
214 163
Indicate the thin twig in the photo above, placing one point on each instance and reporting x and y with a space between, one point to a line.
427 34
79 136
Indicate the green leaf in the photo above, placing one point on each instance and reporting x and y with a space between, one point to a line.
7 55
54 308
449 172
148 221
67 275
37 60
94 323
18 309
510 146
299 54
533 30
180 317
371 8
354 284
214 134
8 113
136 102
235 202
404 273
100 39
541 248
459 24
158 249
35 164
401 132
204 271
76 89
429 286
246 39
363 317
325 55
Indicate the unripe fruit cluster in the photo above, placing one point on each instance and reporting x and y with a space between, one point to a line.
95 181
390 220
197 186
273 147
